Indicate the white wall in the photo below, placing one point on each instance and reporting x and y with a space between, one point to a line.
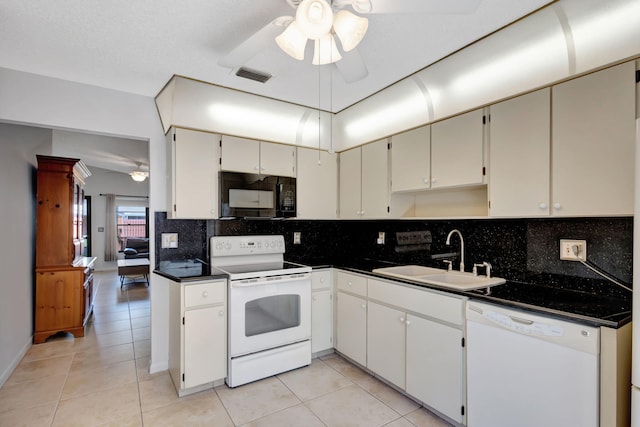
103 181
17 228
52 103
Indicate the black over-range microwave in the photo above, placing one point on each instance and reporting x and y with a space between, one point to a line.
246 195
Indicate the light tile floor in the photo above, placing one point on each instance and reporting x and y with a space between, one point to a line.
103 379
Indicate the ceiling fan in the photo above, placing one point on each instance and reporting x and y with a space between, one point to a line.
322 20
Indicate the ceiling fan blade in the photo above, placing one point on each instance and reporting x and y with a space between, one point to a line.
257 42
436 7
352 66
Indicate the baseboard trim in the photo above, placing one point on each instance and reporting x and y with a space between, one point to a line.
15 362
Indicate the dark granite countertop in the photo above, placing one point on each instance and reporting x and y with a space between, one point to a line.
588 301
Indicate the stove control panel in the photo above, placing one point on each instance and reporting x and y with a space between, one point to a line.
246 245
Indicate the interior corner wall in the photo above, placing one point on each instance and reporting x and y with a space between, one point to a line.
34 100
17 263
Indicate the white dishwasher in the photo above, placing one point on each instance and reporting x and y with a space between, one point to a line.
529 370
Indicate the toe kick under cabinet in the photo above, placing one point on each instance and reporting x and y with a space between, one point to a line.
197 335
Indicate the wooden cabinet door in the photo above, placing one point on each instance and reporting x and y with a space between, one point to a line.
411 160
277 159
519 152
59 300
317 184
435 366
593 135
54 211
195 174
375 180
350 183
352 327
240 155
386 343
457 151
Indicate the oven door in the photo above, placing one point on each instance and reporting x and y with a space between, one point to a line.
268 312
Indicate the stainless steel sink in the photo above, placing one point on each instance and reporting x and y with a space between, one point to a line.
437 276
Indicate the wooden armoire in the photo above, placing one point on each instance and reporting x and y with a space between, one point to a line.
64 277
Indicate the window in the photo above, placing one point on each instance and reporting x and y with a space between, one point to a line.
131 222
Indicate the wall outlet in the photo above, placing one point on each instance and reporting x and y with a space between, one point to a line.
567 250
297 237
380 239
169 240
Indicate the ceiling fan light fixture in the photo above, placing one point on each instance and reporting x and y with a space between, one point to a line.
293 41
326 51
139 176
350 29
315 18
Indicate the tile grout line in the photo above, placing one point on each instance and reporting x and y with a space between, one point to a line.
135 359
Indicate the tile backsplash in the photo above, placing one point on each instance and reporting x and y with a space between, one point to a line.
514 247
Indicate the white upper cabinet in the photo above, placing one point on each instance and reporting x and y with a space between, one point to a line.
193 162
317 184
519 154
457 151
411 160
593 139
364 181
251 156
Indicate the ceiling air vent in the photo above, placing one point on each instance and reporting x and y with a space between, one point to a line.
250 74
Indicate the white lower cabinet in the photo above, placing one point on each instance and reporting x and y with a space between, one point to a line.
435 366
411 337
321 311
197 335
386 343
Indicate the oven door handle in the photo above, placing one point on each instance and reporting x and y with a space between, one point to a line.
274 280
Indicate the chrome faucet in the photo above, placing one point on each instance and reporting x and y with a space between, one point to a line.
487 267
455 230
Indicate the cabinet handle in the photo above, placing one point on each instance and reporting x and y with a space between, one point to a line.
402 320
256 168
221 313
433 180
363 306
542 205
557 206
349 283
322 280
425 180
408 322
315 298
205 294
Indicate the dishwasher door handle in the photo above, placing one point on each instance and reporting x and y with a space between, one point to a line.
521 320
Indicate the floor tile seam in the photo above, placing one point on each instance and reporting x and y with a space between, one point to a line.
92 392
215 389
47 375
135 362
55 411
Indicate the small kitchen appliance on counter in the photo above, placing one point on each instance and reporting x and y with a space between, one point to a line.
269 307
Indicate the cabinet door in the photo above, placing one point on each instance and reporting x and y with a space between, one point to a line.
519 153
457 151
205 344
277 159
386 343
350 183
593 136
59 300
321 320
317 184
435 366
352 327
375 180
240 154
195 174
411 160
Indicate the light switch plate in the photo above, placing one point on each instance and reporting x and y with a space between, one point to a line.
169 240
297 237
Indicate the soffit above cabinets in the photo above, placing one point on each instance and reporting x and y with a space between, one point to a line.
554 44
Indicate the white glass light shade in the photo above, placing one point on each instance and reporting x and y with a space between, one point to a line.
350 29
314 18
293 41
326 51
139 176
